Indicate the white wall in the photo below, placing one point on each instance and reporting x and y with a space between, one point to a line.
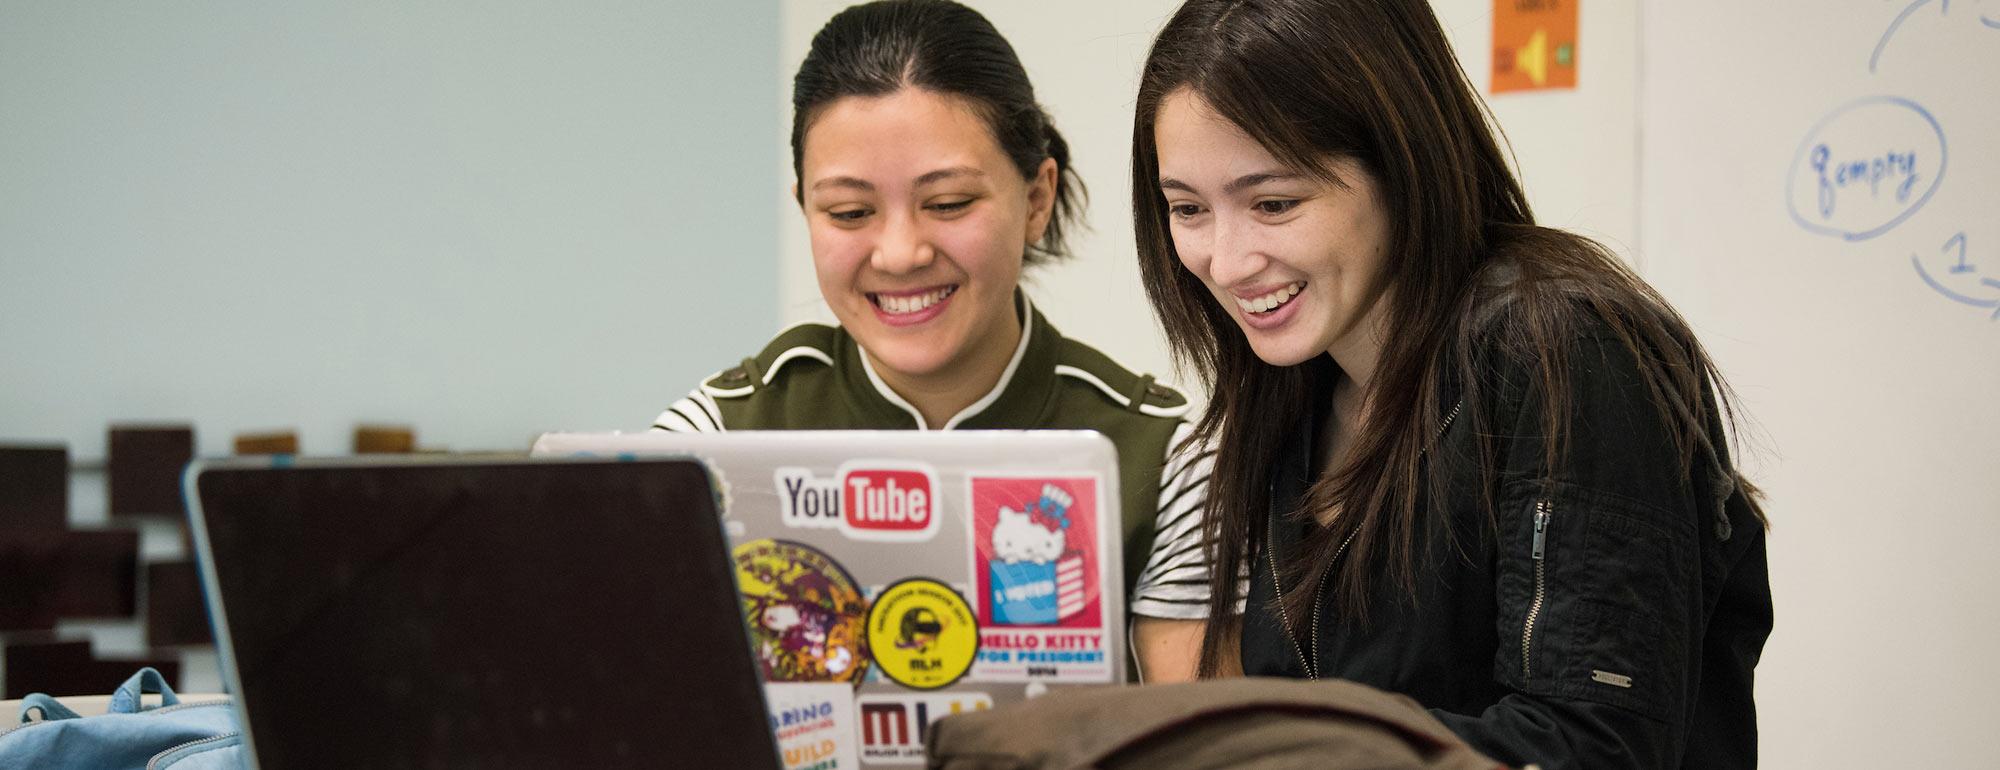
1084 59
1873 393
484 219
1576 151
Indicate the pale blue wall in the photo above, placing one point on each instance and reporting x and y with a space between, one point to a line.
486 219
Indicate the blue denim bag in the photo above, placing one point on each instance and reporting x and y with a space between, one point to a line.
182 736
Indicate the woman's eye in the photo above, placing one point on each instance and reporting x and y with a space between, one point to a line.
848 215
950 206
1276 207
1184 210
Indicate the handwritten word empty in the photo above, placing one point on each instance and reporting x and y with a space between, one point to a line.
1865 167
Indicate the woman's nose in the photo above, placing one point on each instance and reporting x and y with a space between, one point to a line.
1234 256
903 247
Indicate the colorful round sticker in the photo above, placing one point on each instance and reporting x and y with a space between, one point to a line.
922 634
806 616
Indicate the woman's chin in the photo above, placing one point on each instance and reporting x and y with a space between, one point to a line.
1281 352
909 358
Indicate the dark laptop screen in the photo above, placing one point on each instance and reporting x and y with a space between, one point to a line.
499 615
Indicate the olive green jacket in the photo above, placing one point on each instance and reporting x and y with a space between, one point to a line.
814 377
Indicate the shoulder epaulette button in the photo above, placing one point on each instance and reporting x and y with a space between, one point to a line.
736 376
1159 391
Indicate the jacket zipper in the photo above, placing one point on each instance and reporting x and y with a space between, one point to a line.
1291 633
1278 595
1319 588
154 763
1543 512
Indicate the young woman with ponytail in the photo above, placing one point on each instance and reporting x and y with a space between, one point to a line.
930 179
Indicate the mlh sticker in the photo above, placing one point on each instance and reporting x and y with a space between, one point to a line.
866 500
893 726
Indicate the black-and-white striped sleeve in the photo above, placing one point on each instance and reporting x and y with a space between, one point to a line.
1174 583
696 413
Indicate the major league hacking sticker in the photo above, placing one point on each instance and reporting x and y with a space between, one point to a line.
893 724
1036 566
922 633
807 618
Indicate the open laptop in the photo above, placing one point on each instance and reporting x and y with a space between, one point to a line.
478 613
891 578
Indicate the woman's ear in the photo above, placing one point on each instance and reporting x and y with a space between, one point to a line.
797 197
1041 200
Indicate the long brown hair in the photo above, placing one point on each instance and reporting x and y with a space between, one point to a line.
1474 281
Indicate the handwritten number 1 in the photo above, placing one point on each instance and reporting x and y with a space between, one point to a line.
1959 240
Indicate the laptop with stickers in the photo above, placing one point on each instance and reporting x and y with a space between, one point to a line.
478 613
891 578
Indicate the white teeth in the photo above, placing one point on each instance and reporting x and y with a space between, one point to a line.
913 303
1271 301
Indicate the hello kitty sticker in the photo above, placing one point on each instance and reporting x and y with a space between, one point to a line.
1036 571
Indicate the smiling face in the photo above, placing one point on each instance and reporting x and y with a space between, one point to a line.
919 223
1295 259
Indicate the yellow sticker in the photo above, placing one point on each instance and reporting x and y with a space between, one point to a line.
922 634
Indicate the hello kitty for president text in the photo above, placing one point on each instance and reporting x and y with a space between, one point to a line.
1035 565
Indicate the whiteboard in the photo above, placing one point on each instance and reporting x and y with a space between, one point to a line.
1820 194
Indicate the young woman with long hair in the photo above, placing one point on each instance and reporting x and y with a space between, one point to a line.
1460 456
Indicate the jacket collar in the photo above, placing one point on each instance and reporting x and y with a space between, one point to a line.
1023 389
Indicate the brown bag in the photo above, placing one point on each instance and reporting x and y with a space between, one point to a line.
1252 723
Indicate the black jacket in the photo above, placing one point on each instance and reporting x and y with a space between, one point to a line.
1623 635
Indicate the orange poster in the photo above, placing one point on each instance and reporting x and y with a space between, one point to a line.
1534 45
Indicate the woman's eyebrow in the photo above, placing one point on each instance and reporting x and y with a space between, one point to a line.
1234 186
1248 181
948 173
844 181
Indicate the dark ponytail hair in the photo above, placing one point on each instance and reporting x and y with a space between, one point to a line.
879 48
